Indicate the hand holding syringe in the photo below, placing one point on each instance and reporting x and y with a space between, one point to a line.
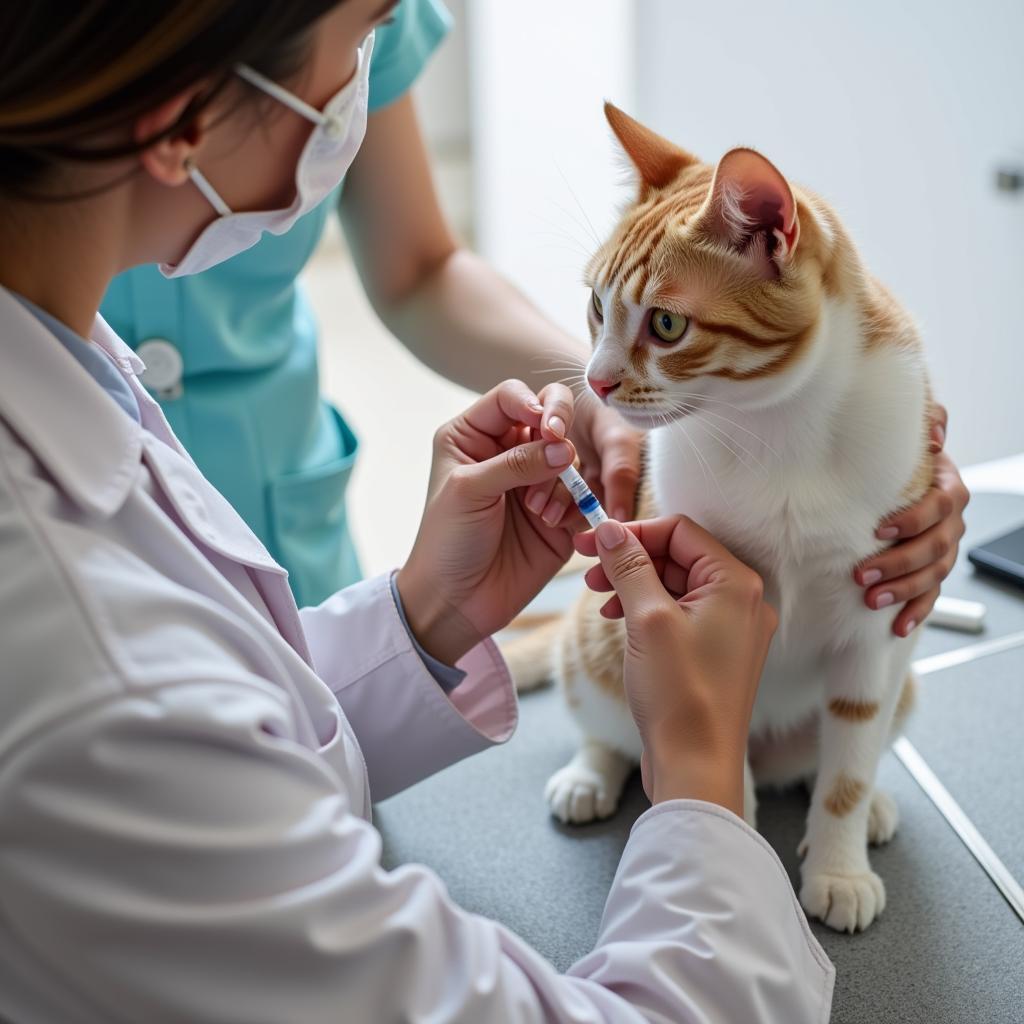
588 505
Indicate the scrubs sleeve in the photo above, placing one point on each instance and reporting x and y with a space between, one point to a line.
177 855
407 726
403 47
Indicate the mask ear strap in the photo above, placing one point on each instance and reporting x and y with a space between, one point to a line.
200 181
279 93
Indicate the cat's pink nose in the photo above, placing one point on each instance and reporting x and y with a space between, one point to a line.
603 388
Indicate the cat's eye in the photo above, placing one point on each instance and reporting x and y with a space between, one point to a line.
596 303
668 326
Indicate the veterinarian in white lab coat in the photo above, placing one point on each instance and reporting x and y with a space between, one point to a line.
186 759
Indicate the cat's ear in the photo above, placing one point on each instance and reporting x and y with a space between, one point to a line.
657 160
751 207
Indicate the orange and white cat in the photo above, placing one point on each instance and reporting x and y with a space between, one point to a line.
787 401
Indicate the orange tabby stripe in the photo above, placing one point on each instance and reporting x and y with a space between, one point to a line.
844 795
632 239
643 257
853 710
646 222
754 315
638 290
651 221
680 365
755 340
795 344
649 245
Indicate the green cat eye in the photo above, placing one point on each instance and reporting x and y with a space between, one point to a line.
596 303
668 326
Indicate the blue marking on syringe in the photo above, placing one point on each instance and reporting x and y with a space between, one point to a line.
583 496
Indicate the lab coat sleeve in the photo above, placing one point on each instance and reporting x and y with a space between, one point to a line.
176 854
407 727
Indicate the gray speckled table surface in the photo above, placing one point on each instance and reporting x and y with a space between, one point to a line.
948 947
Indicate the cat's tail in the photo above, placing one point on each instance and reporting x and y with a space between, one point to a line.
531 656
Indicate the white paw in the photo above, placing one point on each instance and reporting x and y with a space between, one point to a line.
847 903
883 817
577 794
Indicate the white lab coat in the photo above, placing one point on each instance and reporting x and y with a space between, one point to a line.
187 763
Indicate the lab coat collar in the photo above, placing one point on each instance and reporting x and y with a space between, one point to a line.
86 442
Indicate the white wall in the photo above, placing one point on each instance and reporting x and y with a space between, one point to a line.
442 92
539 72
899 114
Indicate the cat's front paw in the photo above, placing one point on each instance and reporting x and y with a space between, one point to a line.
577 794
847 903
883 817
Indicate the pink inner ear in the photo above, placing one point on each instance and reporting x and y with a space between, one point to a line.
753 198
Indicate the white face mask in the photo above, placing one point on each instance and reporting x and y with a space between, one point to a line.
329 151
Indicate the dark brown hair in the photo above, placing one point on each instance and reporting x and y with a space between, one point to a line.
72 70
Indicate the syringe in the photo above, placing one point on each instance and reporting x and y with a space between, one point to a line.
584 497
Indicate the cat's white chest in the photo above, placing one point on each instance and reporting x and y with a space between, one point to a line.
803 533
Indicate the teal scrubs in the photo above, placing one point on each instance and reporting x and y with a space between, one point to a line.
246 403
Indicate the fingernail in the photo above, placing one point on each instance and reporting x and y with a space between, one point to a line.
535 503
884 600
610 534
887 532
870 577
553 513
559 454
534 406
557 426
910 627
939 433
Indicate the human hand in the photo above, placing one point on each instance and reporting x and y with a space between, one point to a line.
929 533
697 635
610 453
479 556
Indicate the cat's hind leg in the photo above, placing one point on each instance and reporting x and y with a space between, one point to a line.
863 686
883 814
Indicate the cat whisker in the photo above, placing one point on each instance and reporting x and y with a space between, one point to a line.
725 439
706 469
667 424
555 229
582 244
706 398
576 200
559 352
551 243
739 426
726 419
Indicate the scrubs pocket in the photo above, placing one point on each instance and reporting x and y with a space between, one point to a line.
309 523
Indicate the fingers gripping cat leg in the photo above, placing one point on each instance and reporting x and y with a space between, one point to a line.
589 786
839 886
